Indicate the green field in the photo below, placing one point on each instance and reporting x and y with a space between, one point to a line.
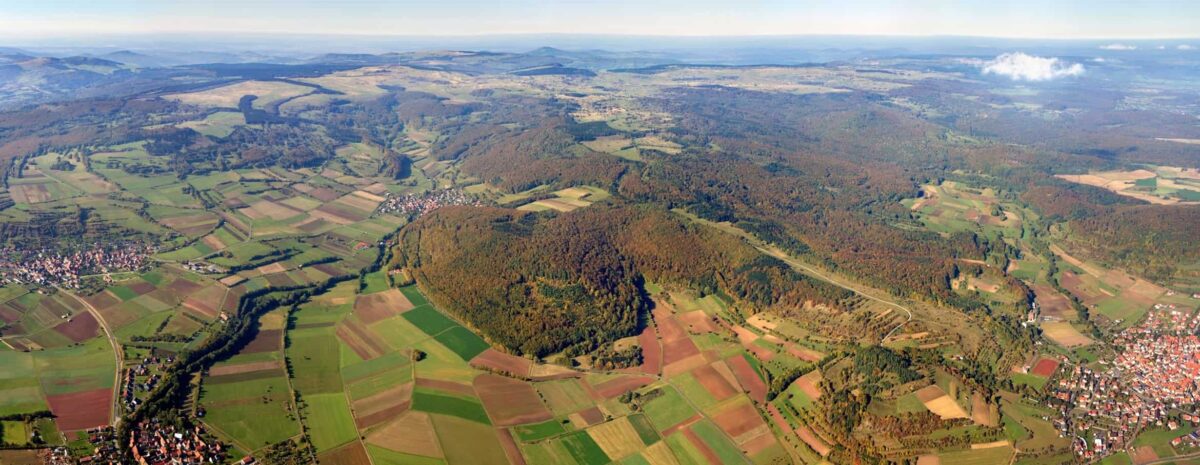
585 450
668 409
718 442
429 320
644 429
461 407
468 442
382 456
15 432
538 431
329 421
463 342
990 456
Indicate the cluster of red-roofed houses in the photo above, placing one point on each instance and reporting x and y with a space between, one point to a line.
47 268
157 443
1154 381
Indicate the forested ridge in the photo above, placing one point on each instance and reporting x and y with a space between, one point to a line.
537 284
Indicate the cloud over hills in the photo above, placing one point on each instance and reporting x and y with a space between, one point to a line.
1019 66
1120 47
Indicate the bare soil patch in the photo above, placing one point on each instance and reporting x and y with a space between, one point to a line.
495 360
371 308
509 401
79 328
617 386
225 370
748 378
412 434
267 340
81 410
713 382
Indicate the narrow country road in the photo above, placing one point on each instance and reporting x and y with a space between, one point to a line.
117 354
794 263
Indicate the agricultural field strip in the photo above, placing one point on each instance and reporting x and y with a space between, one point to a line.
291 389
117 355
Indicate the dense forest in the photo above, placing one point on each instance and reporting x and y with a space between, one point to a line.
537 284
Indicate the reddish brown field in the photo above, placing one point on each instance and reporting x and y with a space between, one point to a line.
495 360
102 300
1072 282
744 335
759 443
713 382
8 314
803 353
381 305
510 447
183 287
204 308
761 353
366 421
738 419
1052 303
509 401
267 340
81 410
813 441
617 386
142 288
350 454
230 304
668 327
80 328
360 339
591 416
240 368
697 322
652 353
1045 367
678 349
685 365
748 378
778 419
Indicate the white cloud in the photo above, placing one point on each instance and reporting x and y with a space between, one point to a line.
1186 47
1118 47
1099 60
1022 67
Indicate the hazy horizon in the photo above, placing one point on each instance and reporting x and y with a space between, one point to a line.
673 18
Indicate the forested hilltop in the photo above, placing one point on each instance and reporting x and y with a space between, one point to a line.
540 284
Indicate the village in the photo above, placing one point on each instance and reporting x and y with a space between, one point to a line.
50 268
419 204
157 443
1153 382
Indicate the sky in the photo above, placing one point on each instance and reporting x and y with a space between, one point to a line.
1066 19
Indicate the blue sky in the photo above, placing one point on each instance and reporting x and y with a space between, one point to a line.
1026 19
